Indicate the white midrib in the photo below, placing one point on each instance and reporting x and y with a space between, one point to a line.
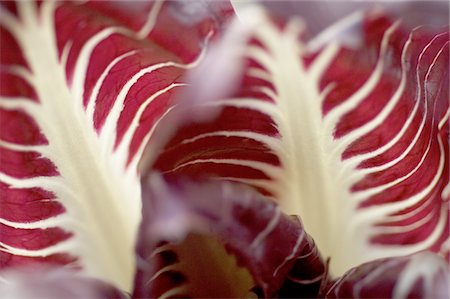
311 176
100 212
310 186
300 140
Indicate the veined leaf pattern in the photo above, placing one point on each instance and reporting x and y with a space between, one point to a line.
355 141
83 87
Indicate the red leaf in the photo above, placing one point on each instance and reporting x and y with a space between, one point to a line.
353 140
83 86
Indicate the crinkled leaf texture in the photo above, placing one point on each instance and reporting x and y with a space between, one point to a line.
83 87
353 140
180 259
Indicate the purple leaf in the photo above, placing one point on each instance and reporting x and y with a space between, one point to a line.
421 275
183 220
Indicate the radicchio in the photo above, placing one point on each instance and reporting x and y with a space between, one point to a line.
354 140
83 87
351 138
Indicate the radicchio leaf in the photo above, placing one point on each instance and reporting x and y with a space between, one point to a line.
83 87
421 275
354 140
184 220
